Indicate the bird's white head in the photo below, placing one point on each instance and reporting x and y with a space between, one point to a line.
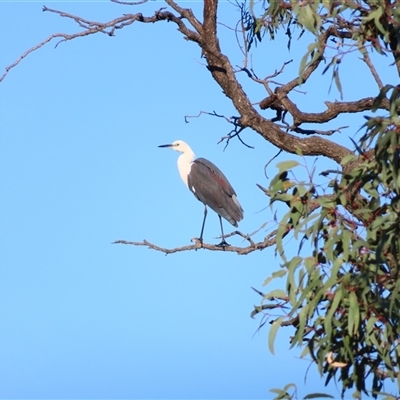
179 145
185 159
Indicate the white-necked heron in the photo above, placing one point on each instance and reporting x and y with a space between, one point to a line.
209 185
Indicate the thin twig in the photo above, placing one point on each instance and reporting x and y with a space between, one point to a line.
129 3
331 171
231 120
316 131
246 237
278 72
266 165
234 133
371 66
254 78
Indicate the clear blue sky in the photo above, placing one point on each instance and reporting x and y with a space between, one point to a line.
80 168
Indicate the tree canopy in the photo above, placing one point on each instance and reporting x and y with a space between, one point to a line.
340 292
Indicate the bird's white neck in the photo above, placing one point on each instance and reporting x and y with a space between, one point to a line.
184 162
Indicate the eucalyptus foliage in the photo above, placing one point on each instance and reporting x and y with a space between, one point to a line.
341 291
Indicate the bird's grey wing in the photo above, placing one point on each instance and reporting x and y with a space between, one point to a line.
211 187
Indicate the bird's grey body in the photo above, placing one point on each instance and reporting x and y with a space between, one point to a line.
210 186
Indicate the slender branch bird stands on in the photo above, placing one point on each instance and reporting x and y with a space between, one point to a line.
209 185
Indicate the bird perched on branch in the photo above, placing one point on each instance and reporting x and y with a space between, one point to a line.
209 185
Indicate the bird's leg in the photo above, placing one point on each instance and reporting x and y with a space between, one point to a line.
223 243
202 227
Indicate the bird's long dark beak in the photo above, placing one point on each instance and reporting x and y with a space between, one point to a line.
165 145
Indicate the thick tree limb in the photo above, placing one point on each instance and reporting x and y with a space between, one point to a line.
332 111
210 23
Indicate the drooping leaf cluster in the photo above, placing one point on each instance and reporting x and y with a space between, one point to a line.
376 22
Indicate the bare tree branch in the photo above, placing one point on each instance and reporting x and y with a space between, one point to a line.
331 31
91 27
268 241
332 111
188 14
